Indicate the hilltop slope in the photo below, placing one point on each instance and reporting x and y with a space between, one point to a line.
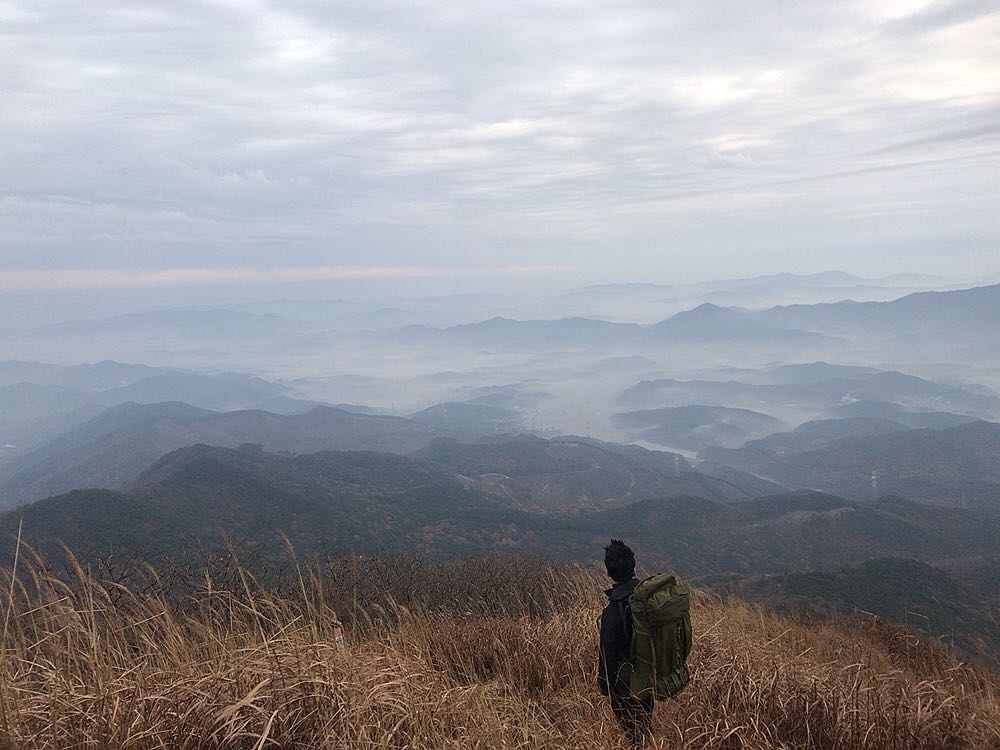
458 668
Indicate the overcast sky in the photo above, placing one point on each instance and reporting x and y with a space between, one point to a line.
176 142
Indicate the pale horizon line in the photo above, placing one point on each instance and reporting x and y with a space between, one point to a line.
44 279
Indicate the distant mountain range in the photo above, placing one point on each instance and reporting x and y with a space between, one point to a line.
113 448
34 412
709 323
771 282
945 318
711 319
932 316
958 466
754 293
706 324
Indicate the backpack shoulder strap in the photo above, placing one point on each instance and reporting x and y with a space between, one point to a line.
626 619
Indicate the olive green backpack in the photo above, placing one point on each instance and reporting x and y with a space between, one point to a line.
661 636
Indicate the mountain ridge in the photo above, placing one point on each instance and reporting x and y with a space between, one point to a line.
113 448
380 502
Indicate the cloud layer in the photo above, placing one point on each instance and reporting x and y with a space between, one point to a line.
623 138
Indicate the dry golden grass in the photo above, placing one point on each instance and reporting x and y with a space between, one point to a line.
92 664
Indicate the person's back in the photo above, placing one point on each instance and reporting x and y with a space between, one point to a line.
614 669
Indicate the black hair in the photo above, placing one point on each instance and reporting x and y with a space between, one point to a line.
619 560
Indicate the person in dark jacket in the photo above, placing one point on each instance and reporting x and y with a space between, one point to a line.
614 666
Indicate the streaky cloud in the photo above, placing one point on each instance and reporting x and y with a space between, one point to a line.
78 278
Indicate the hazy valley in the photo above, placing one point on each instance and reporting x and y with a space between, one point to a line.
728 443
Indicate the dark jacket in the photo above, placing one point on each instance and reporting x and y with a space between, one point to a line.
613 666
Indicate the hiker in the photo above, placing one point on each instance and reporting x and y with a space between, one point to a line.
614 669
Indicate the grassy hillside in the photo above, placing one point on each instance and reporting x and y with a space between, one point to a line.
235 664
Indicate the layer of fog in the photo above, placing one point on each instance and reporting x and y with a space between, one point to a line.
388 350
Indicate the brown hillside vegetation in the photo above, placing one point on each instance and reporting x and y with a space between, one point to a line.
476 654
